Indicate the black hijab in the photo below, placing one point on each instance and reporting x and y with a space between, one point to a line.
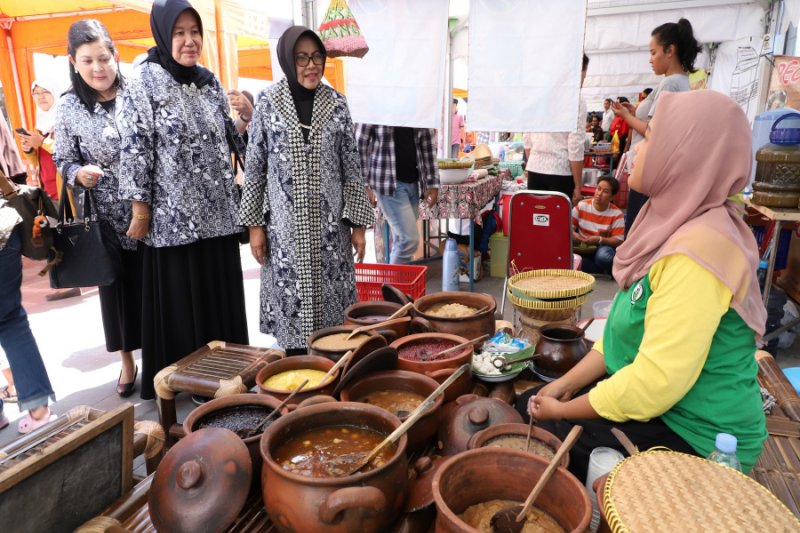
163 17
303 98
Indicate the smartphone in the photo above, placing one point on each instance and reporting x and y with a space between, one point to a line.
22 131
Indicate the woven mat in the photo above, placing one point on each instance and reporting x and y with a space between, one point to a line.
663 491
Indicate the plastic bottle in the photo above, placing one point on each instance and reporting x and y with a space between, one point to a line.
725 452
763 265
450 266
615 143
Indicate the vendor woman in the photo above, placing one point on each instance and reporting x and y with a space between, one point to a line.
680 340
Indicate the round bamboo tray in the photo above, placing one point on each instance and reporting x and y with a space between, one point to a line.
550 284
546 305
665 491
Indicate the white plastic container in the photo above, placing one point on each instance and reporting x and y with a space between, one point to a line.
601 308
453 176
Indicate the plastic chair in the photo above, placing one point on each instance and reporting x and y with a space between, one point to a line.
540 233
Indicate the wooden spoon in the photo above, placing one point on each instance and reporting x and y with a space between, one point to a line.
500 362
623 439
378 325
342 360
415 415
512 519
276 410
585 327
530 430
400 311
457 347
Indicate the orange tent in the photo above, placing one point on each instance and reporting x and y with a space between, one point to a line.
28 27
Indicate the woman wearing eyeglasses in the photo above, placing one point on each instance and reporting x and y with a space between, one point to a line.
304 198
175 168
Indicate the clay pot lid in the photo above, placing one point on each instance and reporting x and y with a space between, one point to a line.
470 415
420 487
384 358
393 294
202 482
373 343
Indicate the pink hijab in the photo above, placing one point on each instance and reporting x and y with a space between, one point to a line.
698 154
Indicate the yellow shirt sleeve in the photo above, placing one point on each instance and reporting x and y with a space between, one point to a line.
682 316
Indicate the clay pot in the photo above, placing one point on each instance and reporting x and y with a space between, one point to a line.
334 355
562 347
236 400
425 428
441 369
366 502
297 362
476 476
468 415
356 315
469 327
599 486
480 438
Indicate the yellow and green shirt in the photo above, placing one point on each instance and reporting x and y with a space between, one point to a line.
675 349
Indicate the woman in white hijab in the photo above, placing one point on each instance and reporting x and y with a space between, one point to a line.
39 145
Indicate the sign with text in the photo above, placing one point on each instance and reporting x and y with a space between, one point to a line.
784 85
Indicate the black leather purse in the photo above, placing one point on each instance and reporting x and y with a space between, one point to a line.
87 253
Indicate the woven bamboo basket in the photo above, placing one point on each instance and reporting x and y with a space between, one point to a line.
665 491
546 305
550 284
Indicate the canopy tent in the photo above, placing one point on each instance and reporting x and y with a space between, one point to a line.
28 28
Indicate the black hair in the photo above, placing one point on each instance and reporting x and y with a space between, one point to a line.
83 32
585 62
455 100
682 36
612 182
608 100
647 91
622 100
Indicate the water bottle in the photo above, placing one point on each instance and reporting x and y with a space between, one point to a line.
763 265
725 452
450 266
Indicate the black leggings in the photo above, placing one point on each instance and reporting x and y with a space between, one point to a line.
597 432
636 201
550 182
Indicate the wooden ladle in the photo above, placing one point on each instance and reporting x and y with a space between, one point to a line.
415 415
458 347
342 360
378 325
277 409
512 519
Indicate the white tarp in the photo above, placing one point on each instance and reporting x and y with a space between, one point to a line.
524 74
400 82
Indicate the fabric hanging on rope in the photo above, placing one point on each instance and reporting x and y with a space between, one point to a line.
406 63
525 75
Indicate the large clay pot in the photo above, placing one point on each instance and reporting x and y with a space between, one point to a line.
425 428
297 362
481 438
440 369
190 424
468 415
562 347
476 476
334 355
367 313
599 486
470 327
365 502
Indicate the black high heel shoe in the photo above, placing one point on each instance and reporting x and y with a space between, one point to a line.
126 389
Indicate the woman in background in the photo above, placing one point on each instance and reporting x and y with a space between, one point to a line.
87 153
673 50
175 168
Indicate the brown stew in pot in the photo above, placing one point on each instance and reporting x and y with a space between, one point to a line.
480 515
398 402
241 419
426 351
332 451
517 442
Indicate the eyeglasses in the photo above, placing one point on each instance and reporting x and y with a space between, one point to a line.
302 59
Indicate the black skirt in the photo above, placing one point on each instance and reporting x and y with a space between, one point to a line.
550 182
121 305
191 295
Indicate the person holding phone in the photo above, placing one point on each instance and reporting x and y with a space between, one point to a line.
38 144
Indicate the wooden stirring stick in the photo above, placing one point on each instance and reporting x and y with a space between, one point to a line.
342 360
623 439
415 415
377 325
511 519
400 311
277 409
458 346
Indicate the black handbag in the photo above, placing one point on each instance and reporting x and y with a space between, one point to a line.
33 206
87 253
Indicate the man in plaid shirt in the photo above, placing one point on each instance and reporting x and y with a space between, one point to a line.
400 168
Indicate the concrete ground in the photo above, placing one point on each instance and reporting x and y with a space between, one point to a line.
70 337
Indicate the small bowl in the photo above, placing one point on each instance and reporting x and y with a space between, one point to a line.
515 370
297 362
453 176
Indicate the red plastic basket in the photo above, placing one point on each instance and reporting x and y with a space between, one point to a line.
408 278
